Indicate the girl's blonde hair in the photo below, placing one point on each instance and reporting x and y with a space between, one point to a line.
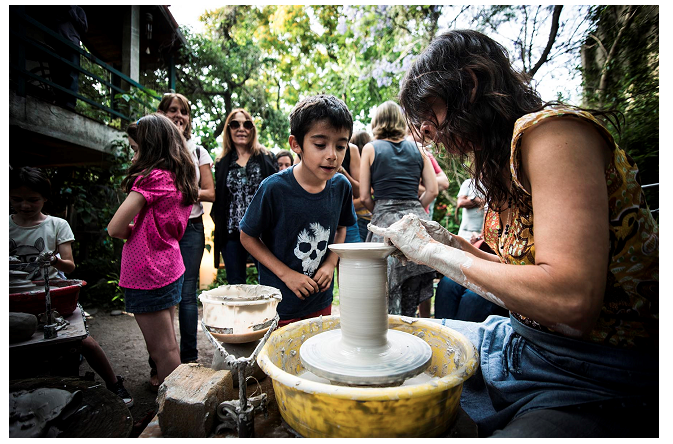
228 144
161 146
388 122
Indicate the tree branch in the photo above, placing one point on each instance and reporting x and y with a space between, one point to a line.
602 85
550 42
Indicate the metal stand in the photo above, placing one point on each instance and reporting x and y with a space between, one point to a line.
239 414
50 325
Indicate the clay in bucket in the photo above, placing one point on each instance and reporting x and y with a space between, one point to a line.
240 313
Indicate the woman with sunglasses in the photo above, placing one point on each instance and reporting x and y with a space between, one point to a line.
239 170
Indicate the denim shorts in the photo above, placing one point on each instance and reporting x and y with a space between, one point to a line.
148 301
523 369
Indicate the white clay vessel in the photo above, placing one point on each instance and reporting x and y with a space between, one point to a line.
364 351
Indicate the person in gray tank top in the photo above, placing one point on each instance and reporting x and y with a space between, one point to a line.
393 167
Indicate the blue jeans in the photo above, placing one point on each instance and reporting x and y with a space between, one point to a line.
362 226
453 301
523 370
157 299
353 234
235 258
191 247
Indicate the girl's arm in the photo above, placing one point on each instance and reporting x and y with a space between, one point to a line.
119 226
300 284
365 176
66 263
564 162
430 183
207 190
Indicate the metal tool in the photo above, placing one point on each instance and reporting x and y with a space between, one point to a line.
239 414
50 325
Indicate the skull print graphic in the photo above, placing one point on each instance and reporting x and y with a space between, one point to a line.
311 248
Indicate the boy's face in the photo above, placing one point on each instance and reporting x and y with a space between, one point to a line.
323 151
26 202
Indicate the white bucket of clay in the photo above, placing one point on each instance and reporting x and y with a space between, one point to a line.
239 313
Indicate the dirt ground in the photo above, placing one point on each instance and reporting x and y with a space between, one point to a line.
123 343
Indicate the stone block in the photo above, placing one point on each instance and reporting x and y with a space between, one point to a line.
188 400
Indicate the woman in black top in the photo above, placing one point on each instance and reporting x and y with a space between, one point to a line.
239 170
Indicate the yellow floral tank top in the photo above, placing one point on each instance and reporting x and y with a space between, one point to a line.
630 314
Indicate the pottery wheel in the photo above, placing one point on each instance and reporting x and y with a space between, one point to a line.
403 357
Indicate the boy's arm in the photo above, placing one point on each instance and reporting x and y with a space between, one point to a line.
325 273
300 284
119 226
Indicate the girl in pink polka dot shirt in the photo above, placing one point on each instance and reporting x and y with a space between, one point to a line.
161 187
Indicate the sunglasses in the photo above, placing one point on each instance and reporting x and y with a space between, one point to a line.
235 124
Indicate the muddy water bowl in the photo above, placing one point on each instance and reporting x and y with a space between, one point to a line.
236 314
64 295
322 410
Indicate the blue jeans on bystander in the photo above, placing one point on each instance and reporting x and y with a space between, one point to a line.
191 247
453 301
235 258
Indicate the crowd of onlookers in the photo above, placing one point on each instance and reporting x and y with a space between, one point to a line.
563 307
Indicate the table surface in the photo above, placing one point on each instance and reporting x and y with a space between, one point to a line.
75 331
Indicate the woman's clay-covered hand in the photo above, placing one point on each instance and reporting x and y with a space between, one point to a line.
410 236
418 243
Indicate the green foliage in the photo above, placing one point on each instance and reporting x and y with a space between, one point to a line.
133 103
88 198
110 287
137 103
631 83
251 277
445 208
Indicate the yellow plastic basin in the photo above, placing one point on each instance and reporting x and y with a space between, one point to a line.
318 410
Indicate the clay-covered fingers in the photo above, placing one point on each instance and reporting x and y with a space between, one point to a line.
379 231
408 235
439 233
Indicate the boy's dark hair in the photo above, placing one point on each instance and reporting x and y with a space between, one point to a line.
32 178
315 108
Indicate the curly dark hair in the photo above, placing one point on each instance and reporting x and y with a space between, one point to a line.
484 97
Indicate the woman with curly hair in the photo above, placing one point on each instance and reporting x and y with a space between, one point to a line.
576 258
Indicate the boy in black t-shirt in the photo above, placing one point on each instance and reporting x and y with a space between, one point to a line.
297 212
